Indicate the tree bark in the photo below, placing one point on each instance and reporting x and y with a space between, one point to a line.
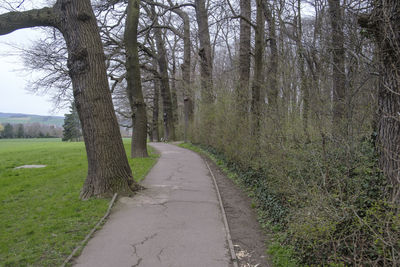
385 23
133 77
108 168
206 67
339 73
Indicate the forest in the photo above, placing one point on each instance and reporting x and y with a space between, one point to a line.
301 98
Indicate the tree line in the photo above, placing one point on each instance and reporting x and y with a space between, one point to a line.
299 97
29 130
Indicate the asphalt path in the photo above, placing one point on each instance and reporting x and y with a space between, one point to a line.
176 221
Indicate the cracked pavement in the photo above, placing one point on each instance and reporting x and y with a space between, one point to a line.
176 221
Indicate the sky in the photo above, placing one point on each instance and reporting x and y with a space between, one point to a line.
14 80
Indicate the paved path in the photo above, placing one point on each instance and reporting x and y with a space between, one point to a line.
175 222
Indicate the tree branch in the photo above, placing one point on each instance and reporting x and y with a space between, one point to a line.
12 21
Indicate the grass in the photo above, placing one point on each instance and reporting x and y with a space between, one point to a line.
42 217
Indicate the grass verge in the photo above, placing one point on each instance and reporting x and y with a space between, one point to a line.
42 217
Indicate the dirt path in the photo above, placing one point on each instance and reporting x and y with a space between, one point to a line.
247 236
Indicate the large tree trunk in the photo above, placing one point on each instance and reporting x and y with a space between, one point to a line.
339 73
134 89
168 118
206 67
385 22
108 168
242 93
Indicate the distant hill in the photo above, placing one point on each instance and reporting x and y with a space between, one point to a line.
16 118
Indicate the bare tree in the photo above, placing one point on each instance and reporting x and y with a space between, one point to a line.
206 64
338 61
134 88
384 23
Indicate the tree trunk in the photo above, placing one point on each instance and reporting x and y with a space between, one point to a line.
256 102
156 134
242 93
339 74
303 79
174 96
206 68
272 92
133 78
168 118
108 168
188 94
385 22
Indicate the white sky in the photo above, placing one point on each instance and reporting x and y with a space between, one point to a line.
14 98
14 80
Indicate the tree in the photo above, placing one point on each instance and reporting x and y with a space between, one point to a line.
272 92
20 131
168 118
256 100
338 61
8 131
384 23
206 64
72 126
108 167
133 78
242 93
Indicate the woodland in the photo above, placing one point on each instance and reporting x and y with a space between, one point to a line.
301 98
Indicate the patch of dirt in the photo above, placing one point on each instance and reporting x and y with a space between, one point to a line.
247 236
30 167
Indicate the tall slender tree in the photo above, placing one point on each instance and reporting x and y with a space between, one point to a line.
338 61
133 78
168 118
206 64
258 80
242 93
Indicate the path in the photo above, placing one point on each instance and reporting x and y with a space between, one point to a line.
175 222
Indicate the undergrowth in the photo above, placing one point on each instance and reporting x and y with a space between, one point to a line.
327 206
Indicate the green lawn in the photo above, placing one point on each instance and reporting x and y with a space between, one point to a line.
42 218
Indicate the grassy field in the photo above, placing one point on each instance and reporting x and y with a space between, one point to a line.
42 218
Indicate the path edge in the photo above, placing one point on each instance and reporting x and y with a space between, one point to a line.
227 231
68 259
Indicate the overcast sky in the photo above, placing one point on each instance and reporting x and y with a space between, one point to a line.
14 98
14 81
